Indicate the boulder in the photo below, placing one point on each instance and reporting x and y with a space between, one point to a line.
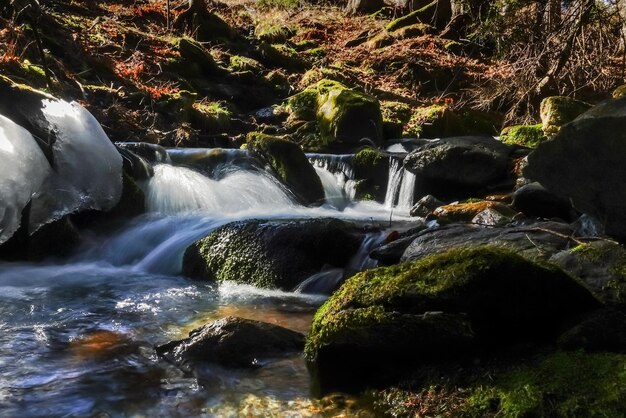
556 111
425 206
491 217
457 167
534 200
529 136
601 265
232 342
271 254
535 241
604 330
290 166
349 116
584 164
377 324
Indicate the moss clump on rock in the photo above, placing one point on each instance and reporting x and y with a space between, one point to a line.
212 117
290 164
239 63
556 111
529 136
282 56
505 298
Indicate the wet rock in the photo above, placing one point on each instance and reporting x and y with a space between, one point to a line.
556 111
271 254
152 153
425 206
491 217
458 167
290 166
601 265
465 212
391 251
534 200
604 330
584 164
232 342
382 313
538 240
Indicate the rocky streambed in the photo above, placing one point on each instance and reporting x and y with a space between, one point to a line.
264 281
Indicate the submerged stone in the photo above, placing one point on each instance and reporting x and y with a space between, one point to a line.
232 342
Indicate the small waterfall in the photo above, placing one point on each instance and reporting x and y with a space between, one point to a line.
401 186
337 176
178 189
213 161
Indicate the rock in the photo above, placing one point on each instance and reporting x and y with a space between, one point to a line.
195 60
151 153
556 111
454 168
491 217
290 166
425 206
584 164
534 200
465 212
232 342
535 241
601 265
619 92
437 121
281 56
381 314
529 136
271 254
604 330
349 116
372 166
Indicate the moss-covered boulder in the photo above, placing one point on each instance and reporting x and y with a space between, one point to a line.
440 121
556 111
271 254
290 166
438 12
371 167
525 135
195 60
601 265
504 297
281 56
211 117
348 116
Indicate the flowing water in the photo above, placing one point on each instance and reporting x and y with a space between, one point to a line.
77 335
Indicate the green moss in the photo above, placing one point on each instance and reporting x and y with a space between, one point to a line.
213 117
559 385
273 34
239 63
283 56
409 19
35 71
396 112
315 53
613 256
556 111
279 4
619 92
290 165
454 280
369 157
303 105
525 135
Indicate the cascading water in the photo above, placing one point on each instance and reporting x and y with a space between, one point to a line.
401 186
77 335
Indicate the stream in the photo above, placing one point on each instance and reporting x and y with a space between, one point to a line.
77 335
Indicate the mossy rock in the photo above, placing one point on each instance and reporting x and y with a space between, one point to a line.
348 116
529 136
437 11
132 202
281 56
601 265
556 111
619 92
371 166
303 105
505 297
214 28
415 30
195 60
211 117
381 40
271 254
274 34
437 121
557 384
240 63
290 164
